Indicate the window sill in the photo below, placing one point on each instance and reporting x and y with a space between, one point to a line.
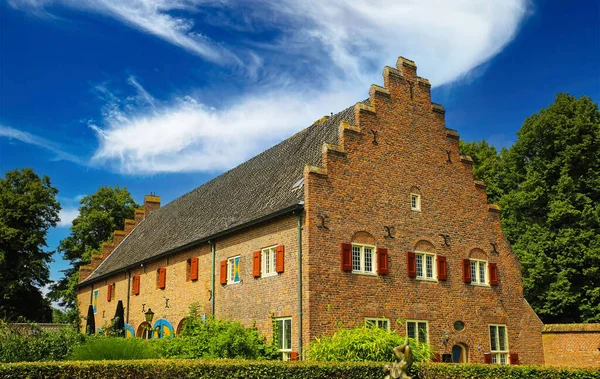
364 273
233 283
427 280
269 275
480 285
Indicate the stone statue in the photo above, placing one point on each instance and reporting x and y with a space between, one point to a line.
404 360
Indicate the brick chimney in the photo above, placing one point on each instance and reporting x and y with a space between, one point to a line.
151 203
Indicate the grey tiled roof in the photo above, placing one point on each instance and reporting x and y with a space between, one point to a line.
256 188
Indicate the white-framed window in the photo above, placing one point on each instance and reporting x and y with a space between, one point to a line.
284 336
479 273
418 330
364 259
415 202
377 322
499 344
425 264
233 270
268 261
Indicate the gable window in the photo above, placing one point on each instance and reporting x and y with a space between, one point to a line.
269 261
284 336
499 344
418 330
415 202
377 322
424 266
478 272
363 259
233 270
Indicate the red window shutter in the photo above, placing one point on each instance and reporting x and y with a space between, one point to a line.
293 355
346 256
136 285
382 261
514 358
487 358
194 268
162 278
442 272
223 278
437 357
493 270
256 264
466 263
279 259
109 292
411 264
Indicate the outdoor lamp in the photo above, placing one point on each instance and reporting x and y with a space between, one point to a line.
149 315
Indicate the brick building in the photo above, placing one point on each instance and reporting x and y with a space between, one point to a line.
369 216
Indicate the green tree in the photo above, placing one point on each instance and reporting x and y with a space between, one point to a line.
99 215
551 209
28 208
487 166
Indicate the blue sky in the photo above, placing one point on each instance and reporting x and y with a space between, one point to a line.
161 96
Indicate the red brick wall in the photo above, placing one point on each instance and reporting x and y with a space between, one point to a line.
575 345
365 186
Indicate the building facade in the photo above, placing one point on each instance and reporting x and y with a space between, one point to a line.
370 216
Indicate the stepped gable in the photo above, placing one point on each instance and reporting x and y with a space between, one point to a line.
256 188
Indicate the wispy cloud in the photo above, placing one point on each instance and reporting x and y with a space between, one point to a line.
155 17
185 135
322 59
40 142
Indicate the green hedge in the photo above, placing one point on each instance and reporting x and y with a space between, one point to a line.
238 369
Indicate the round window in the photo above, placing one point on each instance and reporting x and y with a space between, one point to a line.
459 325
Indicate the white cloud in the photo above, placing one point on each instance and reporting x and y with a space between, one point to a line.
11 133
154 17
189 136
67 215
341 41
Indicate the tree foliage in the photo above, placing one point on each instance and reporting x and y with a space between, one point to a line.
99 215
549 187
28 208
487 166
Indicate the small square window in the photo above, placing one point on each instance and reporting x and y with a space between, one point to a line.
418 330
377 322
415 202
233 270
269 261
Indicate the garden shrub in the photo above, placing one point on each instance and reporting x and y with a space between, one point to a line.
238 369
211 338
363 344
113 348
35 344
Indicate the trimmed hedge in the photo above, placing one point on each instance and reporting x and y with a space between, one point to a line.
481 371
238 369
